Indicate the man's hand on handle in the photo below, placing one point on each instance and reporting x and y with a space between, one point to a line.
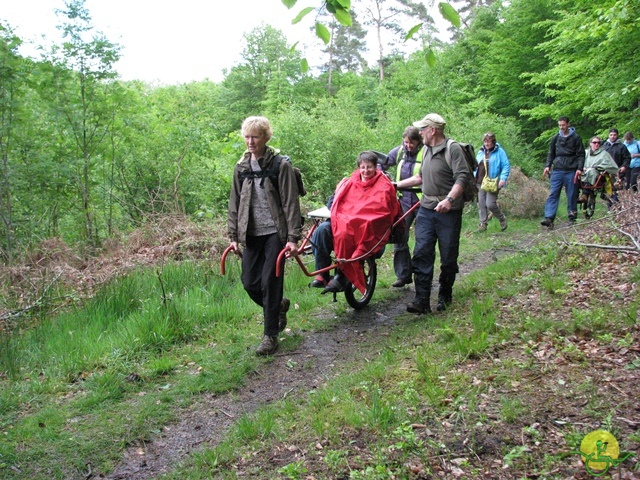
576 177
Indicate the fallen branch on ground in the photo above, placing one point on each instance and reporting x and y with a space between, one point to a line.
12 314
616 248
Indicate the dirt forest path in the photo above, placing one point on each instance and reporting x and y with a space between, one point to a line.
318 358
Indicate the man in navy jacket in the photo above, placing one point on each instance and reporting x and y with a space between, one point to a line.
565 162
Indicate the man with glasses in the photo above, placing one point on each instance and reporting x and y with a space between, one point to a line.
564 166
442 176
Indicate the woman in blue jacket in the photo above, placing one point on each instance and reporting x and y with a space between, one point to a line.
493 158
633 172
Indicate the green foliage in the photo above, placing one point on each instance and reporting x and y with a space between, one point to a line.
323 33
449 13
87 166
345 51
511 409
12 76
305 137
584 38
293 470
303 13
263 79
79 86
503 41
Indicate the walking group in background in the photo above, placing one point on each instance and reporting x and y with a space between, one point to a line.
264 215
570 165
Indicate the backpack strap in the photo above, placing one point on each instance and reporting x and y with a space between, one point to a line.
275 170
447 152
272 172
399 162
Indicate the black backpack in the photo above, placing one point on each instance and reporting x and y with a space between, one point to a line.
273 173
470 192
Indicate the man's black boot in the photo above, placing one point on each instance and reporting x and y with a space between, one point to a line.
419 307
443 303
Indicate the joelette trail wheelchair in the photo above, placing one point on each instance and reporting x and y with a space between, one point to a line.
355 298
601 188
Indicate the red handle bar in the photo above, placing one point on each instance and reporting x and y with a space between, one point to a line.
223 258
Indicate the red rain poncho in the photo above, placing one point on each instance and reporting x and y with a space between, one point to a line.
361 216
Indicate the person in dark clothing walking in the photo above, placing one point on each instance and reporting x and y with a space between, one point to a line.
620 154
565 162
407 158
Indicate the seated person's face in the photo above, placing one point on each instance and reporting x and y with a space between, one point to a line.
367 170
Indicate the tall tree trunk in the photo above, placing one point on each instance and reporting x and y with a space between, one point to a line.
381 52
5 206
331 45
86 167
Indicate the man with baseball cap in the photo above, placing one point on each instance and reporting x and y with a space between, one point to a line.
439 220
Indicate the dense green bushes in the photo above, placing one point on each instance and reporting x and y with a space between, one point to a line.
149 151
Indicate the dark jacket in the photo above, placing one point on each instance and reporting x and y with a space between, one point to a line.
566 153
284 205
618 152
407 165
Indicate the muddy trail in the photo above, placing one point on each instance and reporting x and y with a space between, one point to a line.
319 357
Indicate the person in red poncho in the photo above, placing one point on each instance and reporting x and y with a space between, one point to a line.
364 208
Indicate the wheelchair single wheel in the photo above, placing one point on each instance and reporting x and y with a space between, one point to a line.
360 300
590 206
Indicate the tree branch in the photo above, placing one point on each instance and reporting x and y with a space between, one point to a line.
630 235
37 304
615 248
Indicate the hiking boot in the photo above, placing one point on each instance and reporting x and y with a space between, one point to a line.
482 227
573 216
401 282
547 222
282 317
337 284
443 303
319 282
503 224
268 346
417 307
